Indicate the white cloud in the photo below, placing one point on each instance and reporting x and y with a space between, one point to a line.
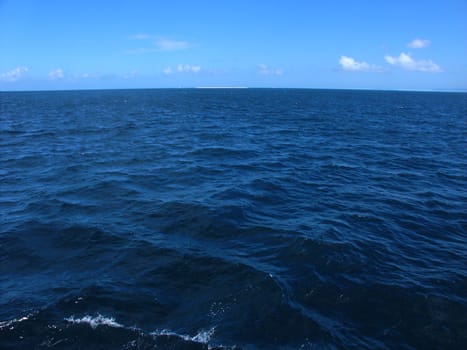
141 51
348 63
97 75
157 43
418 43
87 75
168 70
182 68
186 68
140 36
405 61
56 74
14 74
265 70
171 45
130 75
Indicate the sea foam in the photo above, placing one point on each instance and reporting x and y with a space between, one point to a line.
95 322
203 336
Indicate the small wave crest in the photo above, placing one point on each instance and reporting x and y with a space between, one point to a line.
203 336
6 324
95 322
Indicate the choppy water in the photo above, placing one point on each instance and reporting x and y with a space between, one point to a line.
256 219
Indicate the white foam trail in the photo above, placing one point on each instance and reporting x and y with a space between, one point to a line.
4 324
95 322
202 337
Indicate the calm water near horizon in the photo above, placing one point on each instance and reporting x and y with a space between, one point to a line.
233 218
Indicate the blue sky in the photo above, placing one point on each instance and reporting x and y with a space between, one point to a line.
416 45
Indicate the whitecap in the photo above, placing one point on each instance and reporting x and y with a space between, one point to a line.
95 322
5 324
203 336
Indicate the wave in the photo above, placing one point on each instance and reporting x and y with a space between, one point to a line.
95 321
265 219
203 336
101 331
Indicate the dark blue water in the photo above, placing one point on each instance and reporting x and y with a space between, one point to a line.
253 219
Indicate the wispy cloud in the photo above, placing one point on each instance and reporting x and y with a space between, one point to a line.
140 36
14 74
157 43
405 61
418 43
141 50
87 75
350 64
182 68
171 45
168 71
263 69
56 74
130 75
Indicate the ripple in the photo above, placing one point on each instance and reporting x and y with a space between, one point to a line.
259 219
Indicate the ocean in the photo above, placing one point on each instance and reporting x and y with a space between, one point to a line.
233 219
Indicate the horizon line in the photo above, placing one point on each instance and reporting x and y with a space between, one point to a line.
221 87
460 90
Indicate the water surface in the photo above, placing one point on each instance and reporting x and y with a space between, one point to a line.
256 219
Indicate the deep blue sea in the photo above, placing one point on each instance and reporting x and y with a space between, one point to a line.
233 219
